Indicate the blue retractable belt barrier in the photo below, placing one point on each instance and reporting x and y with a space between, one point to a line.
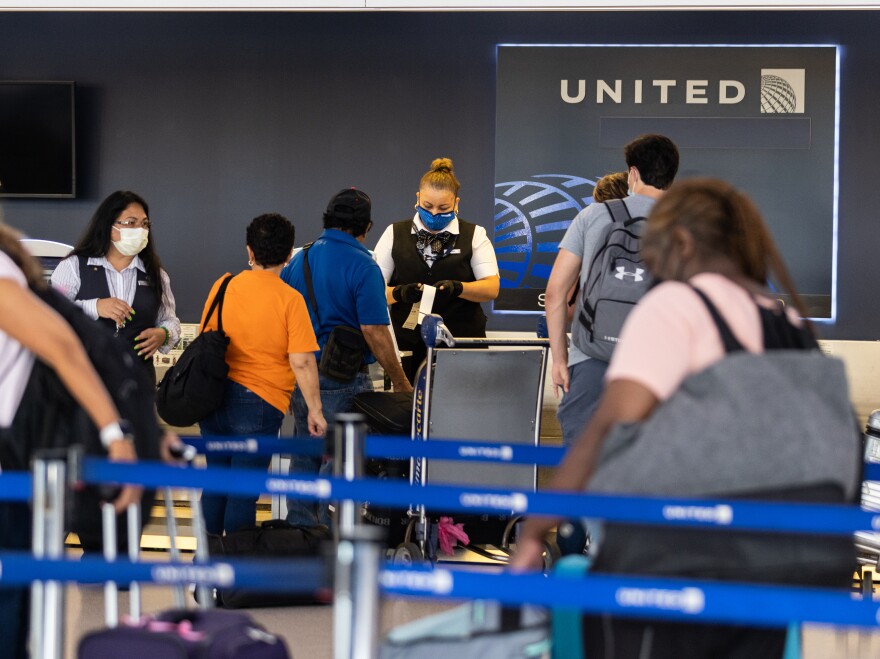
255 445
767 516
379 446
298 575
395 447
391 446
673 599
15 486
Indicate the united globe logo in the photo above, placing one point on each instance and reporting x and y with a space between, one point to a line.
531 217
782 91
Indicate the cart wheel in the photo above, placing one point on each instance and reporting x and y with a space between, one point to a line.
867 582
511 524
551 554
407 554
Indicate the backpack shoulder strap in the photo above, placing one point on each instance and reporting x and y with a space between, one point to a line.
730 342
618 211
218 300
307 274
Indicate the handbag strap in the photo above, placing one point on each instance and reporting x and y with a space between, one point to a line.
730 342
307 274
778 332
218 300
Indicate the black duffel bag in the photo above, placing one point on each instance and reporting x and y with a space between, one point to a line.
193 387
276 538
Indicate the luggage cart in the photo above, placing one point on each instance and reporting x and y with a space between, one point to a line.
486 390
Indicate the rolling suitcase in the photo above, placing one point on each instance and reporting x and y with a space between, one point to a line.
276 538
387 413
205 633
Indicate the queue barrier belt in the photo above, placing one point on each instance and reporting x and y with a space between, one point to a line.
753 515
382 446
671 599
306 575
393 446
15 486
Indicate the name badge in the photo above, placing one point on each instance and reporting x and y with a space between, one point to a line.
143 282
455 251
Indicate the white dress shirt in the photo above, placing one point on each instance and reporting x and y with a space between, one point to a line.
483 261
123 286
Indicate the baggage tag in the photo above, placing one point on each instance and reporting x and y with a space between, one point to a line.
423 309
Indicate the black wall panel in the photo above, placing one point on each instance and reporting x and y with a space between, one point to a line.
215 117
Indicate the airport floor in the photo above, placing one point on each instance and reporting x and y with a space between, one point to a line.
307 630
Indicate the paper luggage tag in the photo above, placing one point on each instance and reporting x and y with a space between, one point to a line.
423 309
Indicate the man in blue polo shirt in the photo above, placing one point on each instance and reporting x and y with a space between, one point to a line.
349 290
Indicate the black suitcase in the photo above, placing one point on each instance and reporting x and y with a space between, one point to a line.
276 538
387 413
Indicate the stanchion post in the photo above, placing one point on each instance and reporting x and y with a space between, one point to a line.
173 550
349 444
38 546
47 607
356 603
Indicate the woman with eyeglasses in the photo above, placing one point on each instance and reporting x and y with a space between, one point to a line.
115 275
437 248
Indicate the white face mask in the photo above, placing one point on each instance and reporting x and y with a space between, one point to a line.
131 241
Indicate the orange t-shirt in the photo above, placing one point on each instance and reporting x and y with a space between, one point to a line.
265 320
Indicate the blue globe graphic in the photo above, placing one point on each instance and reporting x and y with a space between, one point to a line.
531 217
777 95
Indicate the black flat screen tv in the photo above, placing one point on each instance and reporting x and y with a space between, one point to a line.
37 141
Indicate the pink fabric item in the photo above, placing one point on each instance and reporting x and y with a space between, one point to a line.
450 534
670 334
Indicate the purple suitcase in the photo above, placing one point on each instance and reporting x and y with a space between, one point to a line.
185 634
204 633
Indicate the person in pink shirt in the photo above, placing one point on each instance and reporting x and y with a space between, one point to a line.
702 233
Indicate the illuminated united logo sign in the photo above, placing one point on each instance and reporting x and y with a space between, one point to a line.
782 91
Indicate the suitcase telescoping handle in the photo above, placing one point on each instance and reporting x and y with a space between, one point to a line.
133 530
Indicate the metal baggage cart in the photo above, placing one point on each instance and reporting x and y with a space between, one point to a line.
478 389
868 543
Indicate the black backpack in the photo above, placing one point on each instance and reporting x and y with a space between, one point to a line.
616 280
48 417
194 386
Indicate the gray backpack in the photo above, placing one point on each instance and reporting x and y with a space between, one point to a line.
616 280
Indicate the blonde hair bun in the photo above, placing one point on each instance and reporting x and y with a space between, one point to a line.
442 165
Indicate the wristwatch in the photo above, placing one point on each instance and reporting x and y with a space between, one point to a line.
115 431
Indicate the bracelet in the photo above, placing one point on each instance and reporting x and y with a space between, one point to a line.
167 335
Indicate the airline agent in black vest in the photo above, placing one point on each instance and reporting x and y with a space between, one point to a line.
115 275
435 247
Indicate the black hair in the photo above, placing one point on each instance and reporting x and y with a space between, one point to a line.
270 238
95 240
656 158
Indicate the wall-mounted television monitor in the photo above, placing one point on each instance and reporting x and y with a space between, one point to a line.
37 142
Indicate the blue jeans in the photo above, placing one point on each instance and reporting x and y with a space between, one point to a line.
335 399
242 413
586 381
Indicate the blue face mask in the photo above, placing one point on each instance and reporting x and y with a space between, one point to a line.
435 222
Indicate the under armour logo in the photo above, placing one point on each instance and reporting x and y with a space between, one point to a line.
637 275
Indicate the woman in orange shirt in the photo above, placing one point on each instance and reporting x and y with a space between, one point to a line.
271 348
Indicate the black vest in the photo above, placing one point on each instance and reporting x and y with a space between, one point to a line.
93 284
462 317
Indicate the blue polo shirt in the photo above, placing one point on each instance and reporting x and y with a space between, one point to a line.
349 287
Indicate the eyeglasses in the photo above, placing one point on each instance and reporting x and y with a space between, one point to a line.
130 222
